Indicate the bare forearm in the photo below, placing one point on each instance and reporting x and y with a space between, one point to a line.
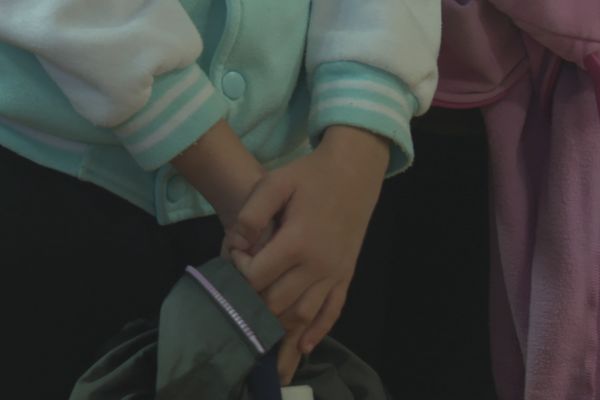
220 167
364 154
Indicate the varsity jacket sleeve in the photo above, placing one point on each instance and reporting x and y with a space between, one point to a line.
372 64
124 65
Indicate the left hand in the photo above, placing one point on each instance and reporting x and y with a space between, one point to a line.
322 204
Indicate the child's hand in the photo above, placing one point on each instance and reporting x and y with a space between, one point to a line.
289 354
322 204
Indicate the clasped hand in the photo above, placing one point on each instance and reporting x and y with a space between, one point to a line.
298 236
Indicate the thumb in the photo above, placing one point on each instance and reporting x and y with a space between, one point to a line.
255 219
240 259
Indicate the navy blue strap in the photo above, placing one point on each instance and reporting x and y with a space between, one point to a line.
263 380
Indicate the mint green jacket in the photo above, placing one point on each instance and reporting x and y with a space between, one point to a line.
111 91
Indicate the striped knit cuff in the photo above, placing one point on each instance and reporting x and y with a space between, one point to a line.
349 93
183 106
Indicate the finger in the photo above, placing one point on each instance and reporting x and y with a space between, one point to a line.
304 311
240 259
224 253
279 255
288 357
326 318
288 289
266 200
266 235
234 240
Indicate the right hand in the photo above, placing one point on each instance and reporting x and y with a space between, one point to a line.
289 354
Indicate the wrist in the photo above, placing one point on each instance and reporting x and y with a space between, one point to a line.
231 201
221 169
362 153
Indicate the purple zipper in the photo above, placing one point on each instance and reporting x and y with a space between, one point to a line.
225 305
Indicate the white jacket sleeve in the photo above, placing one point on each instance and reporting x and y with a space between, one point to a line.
373 64
401 37
103 54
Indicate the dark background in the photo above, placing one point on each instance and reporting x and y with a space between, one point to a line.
418 307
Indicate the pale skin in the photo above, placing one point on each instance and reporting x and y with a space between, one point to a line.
296 232
219 166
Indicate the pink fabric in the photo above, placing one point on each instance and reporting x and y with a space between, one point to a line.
478 68
569 28
592 65
546 241
544 145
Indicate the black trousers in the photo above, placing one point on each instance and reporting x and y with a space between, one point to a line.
78 263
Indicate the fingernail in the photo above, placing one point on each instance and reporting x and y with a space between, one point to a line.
308 348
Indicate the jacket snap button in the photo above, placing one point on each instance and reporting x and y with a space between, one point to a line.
234 85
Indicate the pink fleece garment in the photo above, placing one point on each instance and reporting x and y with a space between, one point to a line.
540 96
